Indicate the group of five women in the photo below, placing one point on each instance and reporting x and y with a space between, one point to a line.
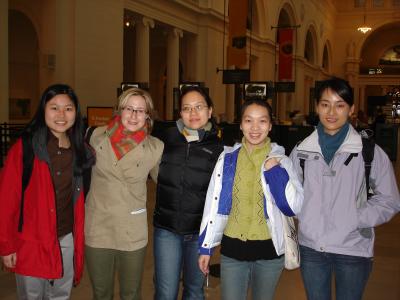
207 195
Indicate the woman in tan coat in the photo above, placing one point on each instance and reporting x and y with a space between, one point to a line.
116 218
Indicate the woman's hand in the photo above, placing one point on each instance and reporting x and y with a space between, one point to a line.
204 261
270 163
10 260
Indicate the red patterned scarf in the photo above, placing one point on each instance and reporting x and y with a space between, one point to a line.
123 140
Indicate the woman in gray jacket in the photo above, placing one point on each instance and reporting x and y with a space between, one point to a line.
336 222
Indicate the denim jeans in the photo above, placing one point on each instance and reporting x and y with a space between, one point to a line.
261 276
317 269
173 254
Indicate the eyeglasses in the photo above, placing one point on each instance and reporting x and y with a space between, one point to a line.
140 112
196 108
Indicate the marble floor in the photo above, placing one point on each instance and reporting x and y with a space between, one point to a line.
384 282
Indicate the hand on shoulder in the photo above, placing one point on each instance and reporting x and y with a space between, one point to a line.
270 163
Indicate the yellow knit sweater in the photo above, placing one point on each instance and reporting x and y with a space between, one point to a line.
246 220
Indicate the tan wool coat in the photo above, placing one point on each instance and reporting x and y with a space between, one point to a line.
116 216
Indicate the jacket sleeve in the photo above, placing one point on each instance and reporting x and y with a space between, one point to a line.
10 191
285 187
385 202
155 169
296 164
209 222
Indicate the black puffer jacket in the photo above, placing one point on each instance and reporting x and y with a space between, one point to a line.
183 178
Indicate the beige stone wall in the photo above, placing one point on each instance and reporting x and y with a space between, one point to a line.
86 39
98 51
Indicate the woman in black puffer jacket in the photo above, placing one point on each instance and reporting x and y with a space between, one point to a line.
190 153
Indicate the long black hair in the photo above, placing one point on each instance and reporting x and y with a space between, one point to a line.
75 133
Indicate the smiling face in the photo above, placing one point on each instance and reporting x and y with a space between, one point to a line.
255 125
60 113
195 112
134 113
333 111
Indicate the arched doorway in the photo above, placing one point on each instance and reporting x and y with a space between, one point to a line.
23 67
284 101
379 70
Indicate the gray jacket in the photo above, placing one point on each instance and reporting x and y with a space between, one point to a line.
336 216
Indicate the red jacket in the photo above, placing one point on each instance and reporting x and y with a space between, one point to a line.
37 246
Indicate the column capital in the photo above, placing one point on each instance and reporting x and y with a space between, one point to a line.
177 32
148 22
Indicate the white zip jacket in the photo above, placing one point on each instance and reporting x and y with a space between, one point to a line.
336 216
219 199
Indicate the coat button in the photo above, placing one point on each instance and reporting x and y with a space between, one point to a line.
216 198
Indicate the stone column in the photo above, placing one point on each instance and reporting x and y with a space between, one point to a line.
172 68
65 46
142 62
4 86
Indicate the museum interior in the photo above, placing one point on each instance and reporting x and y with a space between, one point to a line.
284 49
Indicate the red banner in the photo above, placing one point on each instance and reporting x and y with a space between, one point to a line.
237 32
285 40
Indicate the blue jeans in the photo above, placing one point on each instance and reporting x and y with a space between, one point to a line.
261 276
317 269
174 253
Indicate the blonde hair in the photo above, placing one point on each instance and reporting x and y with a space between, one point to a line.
124 97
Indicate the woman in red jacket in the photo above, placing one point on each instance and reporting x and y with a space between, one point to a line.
41 233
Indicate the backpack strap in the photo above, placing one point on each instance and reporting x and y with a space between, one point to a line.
368 156
302 160
346 163
27 163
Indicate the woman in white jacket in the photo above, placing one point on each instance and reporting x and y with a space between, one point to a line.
252 183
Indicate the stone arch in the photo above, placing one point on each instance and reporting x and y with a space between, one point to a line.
287 15
253 13
28 13
359 44
310 45
261 22
23 66
327 57
375 45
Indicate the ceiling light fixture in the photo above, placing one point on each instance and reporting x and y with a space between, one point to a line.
364 28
